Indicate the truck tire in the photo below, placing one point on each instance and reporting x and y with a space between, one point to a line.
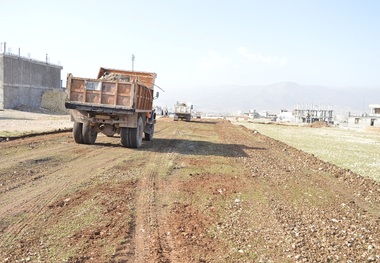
136 134
132 137
124 137
149 135
176 117
188 118
88 133
77 132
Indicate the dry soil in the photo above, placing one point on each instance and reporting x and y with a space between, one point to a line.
201 191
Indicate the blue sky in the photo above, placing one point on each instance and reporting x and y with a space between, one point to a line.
193 44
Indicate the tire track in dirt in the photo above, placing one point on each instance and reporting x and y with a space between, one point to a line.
152 243
177 220
56 184
149 246
15 152
202 191
146 221
143 243
36 195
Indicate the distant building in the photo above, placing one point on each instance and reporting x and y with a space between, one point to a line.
313 113
285 116
374 110
253 114
366 120
23 81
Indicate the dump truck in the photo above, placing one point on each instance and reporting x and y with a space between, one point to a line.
183 111
117 102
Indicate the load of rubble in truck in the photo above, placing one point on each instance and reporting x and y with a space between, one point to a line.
117 102
183 111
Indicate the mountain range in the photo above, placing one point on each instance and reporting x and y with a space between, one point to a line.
281 96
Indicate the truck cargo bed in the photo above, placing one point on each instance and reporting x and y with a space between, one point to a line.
122 94
117 102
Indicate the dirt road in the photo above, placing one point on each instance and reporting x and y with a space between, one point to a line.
201 191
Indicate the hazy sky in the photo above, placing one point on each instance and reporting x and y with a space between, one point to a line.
192 43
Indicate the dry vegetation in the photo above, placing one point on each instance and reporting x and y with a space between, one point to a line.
357 150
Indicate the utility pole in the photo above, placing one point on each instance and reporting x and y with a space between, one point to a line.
133 61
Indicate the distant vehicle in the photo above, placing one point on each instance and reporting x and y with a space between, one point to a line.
183 111
117 102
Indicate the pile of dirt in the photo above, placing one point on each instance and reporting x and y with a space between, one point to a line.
54 101
116 76
319 124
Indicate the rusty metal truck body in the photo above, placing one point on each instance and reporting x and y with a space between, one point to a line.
117 102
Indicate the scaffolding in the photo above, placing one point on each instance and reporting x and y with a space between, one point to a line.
313 113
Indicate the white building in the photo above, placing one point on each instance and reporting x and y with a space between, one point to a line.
365 120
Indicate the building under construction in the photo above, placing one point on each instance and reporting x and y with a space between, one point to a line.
313 113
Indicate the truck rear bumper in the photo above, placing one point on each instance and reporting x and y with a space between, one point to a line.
98 108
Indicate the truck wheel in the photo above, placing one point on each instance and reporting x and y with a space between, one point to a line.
188 118
175 117
132 137
124 137
77 132
136 134
149 135
88 133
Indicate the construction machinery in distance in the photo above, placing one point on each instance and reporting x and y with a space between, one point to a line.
183 111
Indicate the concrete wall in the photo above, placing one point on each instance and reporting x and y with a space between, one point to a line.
1 82
363 121
24 81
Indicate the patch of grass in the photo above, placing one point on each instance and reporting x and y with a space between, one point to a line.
7 134
307 195
81 218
